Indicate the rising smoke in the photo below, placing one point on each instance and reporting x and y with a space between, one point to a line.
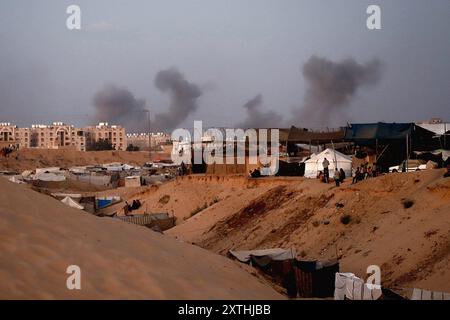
330 89
183 95
257 118
119 106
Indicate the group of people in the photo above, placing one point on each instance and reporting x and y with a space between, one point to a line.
136 204
364 172
324 176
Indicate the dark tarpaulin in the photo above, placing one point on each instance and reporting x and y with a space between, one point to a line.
366 133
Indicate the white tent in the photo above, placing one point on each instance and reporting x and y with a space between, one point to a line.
336 160
71 203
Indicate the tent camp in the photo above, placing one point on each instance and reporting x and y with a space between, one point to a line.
72 203
336 159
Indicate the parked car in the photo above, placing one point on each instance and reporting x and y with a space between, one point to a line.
413 165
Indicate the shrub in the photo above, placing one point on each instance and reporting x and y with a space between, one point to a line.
199 209
408 203
345 219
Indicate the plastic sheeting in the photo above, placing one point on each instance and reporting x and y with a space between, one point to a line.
276 254
72 203
49 177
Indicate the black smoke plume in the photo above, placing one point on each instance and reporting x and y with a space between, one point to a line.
183 98
257 118
117 105
330 89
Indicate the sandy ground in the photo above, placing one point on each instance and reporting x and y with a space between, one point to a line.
193 197
29 159
411 245
40 237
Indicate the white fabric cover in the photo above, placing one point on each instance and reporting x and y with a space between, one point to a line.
274 254
336 160
71 203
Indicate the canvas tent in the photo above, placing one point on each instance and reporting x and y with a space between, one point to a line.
336 159
72 203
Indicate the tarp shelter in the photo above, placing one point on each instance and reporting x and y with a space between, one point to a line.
43 176
276 254
44 170
336 160
367 133
133 181
391 142
107 201
72 203
316 278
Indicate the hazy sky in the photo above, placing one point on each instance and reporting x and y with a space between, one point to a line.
232 49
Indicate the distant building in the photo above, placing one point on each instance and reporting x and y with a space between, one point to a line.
141 140
59 135
115 134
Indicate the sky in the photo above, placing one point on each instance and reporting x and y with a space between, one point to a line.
228 53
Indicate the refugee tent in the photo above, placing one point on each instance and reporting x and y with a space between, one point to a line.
71 203
133 181
78 170
27 173
44 170
316 278
276 254
16 179
336 159
49 176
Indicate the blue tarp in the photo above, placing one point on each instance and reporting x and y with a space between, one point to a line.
101 203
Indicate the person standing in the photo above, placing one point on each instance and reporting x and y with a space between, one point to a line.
337 177
326 173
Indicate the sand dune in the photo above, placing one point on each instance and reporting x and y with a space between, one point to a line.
411 245
40 237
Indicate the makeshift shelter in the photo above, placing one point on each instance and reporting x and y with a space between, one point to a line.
316 278
276 254
106 201
47 170
133 181
49 177
390 142
336 159
72 203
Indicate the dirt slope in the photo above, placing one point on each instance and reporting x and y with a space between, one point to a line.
200 196
40 237
411 245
